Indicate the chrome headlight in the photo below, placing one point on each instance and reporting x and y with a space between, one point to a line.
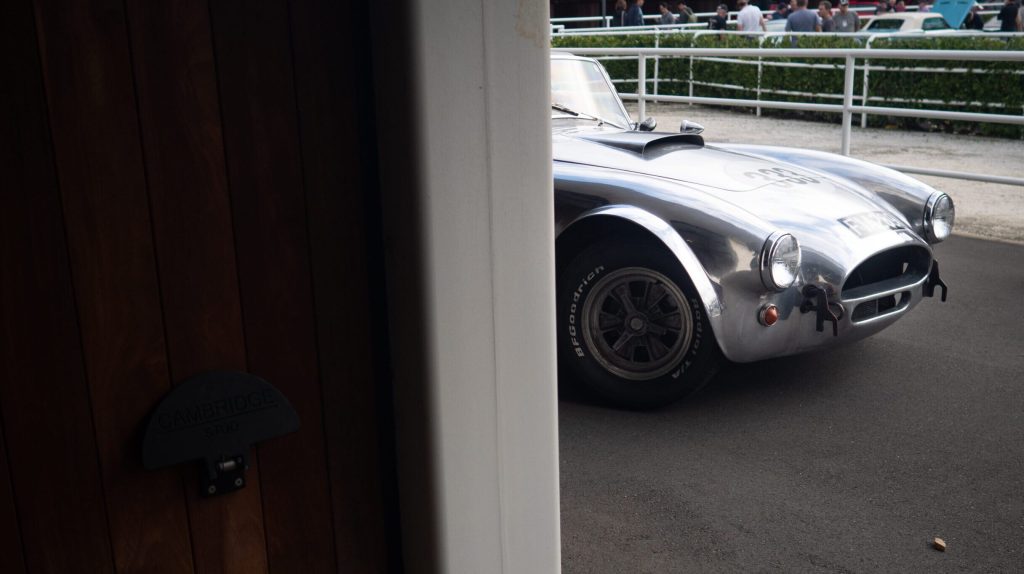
939 215
780 261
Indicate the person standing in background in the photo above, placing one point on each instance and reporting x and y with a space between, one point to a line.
685 14
974 20
667 19
802 19
825 13
635 15
781 11
1008 16
846 22
749 18
619 13
720 21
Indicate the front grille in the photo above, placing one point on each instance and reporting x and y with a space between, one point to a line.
864 311
900 266
878 307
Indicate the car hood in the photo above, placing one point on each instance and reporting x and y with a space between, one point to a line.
775 191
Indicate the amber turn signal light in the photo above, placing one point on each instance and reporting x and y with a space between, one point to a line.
769 315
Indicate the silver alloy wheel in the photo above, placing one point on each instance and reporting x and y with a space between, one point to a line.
637 323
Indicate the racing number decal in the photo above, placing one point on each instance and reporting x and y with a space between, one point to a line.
781 176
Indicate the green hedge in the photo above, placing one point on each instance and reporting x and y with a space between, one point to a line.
988 83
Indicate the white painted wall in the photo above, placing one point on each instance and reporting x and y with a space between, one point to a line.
486 215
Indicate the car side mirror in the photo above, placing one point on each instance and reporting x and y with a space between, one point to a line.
647 125
690 128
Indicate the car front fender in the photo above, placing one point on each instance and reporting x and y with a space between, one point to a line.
667 236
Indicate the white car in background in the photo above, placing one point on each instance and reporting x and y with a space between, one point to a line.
993 25
908 22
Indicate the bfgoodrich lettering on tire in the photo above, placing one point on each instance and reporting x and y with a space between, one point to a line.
631 328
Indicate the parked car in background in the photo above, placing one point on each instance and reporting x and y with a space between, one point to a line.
908 22
673 254
775 25
993 24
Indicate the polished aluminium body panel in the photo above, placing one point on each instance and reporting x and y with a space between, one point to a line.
904 193
723 207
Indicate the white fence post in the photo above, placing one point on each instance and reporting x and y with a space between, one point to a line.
760 68
641 86
847 104
657 59
693 44
864 94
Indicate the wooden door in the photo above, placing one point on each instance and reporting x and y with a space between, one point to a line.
188 186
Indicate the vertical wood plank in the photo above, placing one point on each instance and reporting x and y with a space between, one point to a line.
264 166
91 99
12 557
43 393
334 93
184 158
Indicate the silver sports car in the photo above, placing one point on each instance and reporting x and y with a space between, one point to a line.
674 254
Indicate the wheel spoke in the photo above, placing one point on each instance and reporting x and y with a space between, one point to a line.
621 342
631 348
655 347
656 329
655 293
626 298
671 320
607 321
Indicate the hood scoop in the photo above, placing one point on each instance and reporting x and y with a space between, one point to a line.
647 144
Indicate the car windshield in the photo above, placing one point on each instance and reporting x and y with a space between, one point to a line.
886 24
935 24
580 86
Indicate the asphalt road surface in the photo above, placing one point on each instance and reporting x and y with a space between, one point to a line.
850 460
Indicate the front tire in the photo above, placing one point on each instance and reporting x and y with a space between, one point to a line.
631 328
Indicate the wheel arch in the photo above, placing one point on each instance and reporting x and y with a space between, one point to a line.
629 221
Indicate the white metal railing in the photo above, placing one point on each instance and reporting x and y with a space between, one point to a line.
778 37
847 108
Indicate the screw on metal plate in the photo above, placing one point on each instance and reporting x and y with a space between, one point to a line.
226 476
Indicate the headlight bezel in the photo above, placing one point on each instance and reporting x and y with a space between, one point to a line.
930 232
773 245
